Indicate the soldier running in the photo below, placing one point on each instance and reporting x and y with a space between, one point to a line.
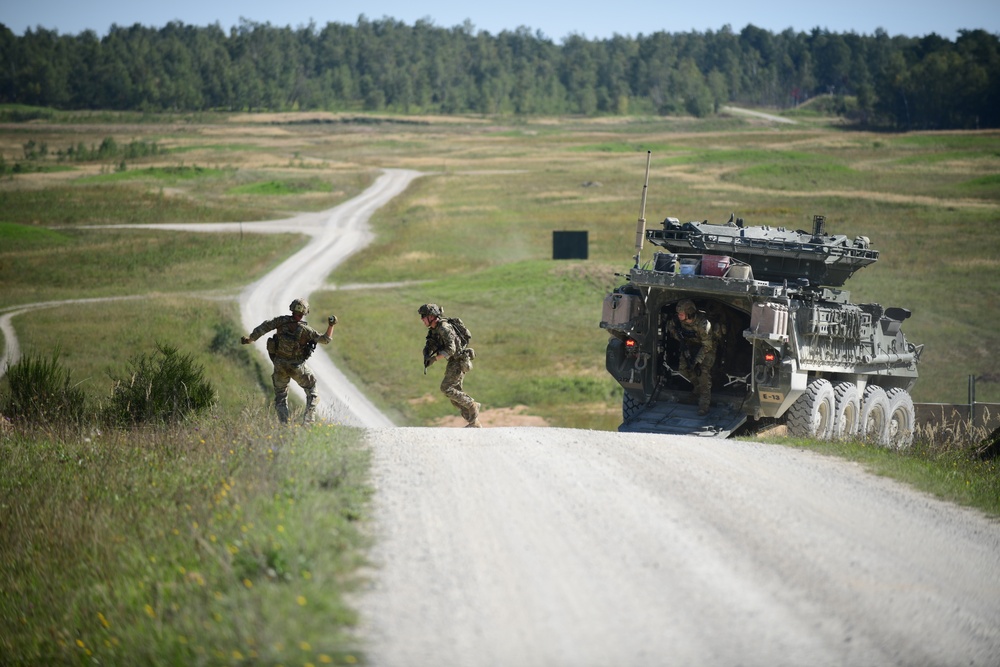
289 348
692 329
445 341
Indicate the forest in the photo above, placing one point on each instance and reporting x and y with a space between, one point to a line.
876 81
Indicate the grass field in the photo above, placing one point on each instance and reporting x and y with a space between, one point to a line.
223 540
491 196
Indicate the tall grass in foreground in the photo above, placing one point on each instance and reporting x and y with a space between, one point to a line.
42 390
222 541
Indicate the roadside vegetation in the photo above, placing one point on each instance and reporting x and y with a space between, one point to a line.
219 540
214 537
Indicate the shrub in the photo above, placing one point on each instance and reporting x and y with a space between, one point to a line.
227 343
42 392
163 387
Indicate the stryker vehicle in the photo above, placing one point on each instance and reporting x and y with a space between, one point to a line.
790 346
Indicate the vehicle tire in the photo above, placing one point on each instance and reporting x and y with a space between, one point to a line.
874 425
811 416
631 406
902 419
847 414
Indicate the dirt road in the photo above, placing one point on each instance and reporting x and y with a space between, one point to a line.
549 547
758 114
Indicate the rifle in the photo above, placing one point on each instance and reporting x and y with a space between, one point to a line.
429 356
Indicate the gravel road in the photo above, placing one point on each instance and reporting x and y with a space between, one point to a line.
550 547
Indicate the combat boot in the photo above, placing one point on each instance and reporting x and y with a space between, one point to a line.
473 417
310 415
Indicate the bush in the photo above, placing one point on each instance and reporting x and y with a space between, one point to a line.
162 387
41 392
227 343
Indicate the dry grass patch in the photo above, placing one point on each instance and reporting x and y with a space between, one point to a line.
496 417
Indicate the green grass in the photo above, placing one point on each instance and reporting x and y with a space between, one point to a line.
114 203
17 238
555 366
38 264
216 542
282 187
494 194
165 174
97 339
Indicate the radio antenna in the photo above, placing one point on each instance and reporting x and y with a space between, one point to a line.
640 228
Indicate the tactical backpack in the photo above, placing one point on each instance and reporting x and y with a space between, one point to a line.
290 343
462 331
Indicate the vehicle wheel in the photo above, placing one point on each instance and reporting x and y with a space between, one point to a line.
847 414
631 406
811 416
902 419
874 426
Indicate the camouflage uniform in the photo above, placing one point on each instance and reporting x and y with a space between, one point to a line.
442 339
697 348
291 346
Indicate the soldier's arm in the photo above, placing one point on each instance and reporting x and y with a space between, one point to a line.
707 342
672 329
447 341
324 338
262 328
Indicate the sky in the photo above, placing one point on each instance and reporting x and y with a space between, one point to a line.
592 19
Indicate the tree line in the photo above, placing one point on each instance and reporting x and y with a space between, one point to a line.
385 65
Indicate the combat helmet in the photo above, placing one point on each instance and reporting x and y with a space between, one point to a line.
429 309
299 306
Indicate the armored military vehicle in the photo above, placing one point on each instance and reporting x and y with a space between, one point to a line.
791 348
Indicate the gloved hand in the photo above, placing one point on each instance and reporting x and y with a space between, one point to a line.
245 340
332 320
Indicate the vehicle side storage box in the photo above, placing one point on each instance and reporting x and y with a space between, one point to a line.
621 308
769 319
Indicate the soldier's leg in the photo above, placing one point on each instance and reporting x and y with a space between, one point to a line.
307 381
704 384
451 386
280 379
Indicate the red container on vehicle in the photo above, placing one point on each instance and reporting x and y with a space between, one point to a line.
714 265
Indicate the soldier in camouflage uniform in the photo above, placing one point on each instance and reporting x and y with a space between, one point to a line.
692 329
290 347
444 343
